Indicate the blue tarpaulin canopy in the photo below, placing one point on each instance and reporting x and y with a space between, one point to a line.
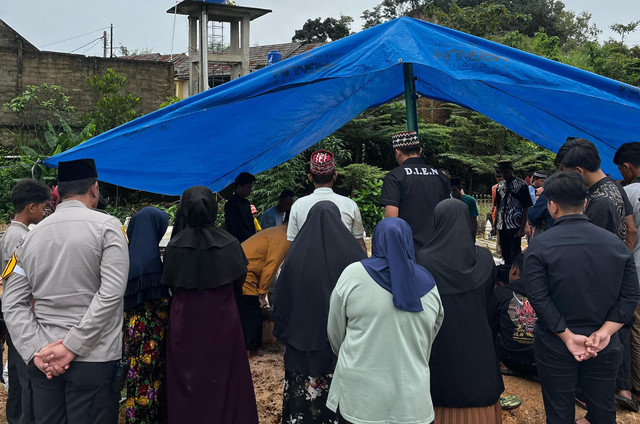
260 120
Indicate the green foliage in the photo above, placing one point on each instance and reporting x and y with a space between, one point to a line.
292 174
319 31
55 141
335 145
615 60
363 183
122 211
270 183
113 107
483 20
44 99
355 177
171 210
625 30
541 44
478 143
367 135
170 100
368 200
391 9
9 176
492 18
37 105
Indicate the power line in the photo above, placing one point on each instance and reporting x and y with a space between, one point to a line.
73 38
92 46
85 45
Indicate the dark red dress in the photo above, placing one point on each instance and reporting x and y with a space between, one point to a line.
208 374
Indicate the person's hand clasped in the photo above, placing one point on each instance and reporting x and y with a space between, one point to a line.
263 300
54 359
577 345
597 341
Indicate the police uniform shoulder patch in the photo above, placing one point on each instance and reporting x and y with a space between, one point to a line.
10 268
124 231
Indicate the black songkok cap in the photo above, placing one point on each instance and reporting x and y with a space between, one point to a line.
79 169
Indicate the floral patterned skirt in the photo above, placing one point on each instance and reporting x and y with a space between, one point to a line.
144 346
305 399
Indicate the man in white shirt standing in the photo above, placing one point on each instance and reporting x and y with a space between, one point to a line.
323 175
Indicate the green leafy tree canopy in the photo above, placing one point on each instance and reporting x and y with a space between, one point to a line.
319 31
113 106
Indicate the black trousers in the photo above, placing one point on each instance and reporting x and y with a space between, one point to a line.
559 374
251 320
82 395
623 380
524 364
19 407
510 245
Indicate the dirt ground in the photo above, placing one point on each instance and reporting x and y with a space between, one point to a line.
268 375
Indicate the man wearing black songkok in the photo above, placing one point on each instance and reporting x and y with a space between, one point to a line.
73 269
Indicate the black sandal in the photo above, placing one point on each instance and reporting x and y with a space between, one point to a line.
626 403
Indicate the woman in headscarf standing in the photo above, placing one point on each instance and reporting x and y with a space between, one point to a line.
385 313
146 309
465 377
208 375
320 252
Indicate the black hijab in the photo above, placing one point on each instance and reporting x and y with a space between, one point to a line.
320 252
145 231
200 255
456 263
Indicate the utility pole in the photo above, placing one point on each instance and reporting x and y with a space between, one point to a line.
410 97
111 41
104 44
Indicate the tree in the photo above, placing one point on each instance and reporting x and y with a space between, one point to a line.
319 31
38 105
113 107
124 51
624 30
483 20
525 16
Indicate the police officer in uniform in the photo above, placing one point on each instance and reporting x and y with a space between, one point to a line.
412 190
73 268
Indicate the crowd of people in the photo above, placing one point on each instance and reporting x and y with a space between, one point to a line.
420 331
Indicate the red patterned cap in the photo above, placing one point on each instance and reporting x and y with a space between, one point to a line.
322 163
405 139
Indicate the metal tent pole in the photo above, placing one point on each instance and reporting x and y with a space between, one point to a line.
410 96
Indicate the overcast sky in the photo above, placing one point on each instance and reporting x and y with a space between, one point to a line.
142 24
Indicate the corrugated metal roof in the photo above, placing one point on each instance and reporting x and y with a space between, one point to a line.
257 58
